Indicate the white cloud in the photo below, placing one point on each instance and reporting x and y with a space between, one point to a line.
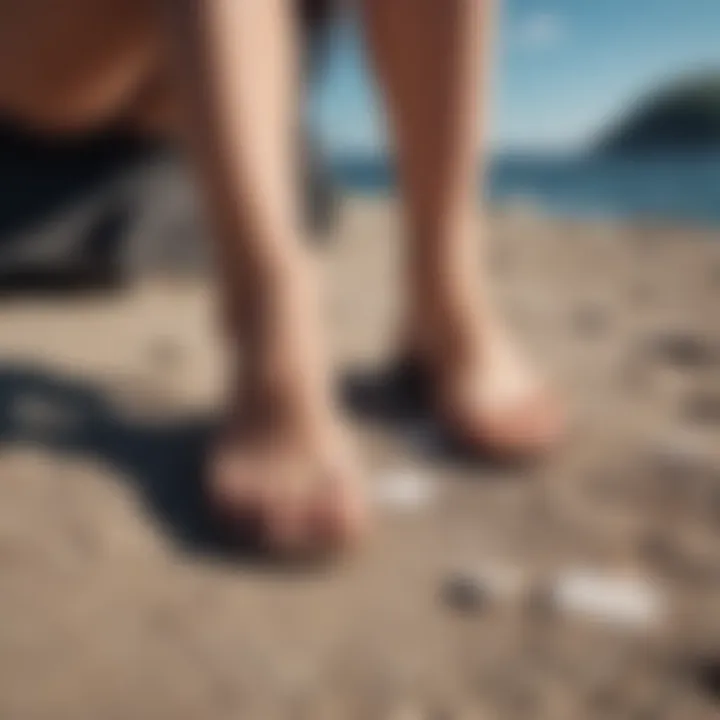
541 31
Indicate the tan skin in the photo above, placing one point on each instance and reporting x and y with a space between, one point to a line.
225 72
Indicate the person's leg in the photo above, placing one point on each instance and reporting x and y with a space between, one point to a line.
283 458
429 56
78 66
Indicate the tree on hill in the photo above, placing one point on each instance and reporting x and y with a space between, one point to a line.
683 116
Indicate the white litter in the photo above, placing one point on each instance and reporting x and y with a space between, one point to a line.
405 490
625 601
628 602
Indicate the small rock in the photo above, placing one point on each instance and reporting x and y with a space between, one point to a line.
473 591
466 593
684 350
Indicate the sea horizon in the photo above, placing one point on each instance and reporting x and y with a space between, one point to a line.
661 186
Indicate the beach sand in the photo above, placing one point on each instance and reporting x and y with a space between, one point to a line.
116 603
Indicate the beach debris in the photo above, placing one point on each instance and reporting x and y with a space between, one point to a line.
626 602
466 593
404 489
623 601
684 350
489 585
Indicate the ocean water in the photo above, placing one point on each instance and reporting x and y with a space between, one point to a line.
673 188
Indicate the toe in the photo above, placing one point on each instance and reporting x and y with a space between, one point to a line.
286 510
339 514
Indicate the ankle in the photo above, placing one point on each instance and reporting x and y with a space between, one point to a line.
286 386
282 371
443 337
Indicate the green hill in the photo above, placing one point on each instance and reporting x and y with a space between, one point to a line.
684 116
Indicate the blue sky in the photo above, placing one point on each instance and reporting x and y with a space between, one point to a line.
563 69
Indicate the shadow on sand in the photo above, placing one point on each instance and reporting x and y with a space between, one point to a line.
162 460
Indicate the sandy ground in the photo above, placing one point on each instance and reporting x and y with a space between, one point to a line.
116 602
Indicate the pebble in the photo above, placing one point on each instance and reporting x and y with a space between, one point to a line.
492 584
626 602
466 593
684 350
405 490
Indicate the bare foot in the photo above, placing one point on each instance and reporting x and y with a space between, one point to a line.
294 490
283 468
485 395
